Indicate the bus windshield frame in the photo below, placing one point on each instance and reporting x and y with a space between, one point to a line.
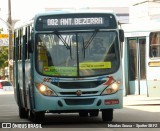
70 47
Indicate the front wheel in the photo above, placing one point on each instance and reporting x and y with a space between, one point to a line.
23 113
37 117
83 113
107 114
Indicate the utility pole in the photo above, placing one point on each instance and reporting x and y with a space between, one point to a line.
10 52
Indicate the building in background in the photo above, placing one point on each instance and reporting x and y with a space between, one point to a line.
148 10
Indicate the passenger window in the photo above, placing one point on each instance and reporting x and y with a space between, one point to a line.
155 44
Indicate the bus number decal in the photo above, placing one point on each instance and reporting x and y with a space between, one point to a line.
52 21
51 79
46 79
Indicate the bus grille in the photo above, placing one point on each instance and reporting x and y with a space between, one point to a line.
83 93
78 85
79 101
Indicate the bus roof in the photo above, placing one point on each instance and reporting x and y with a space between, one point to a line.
20 24
72 11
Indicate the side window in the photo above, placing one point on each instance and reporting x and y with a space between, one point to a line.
19 45
15 41
25 43
28 44
22 43
155 44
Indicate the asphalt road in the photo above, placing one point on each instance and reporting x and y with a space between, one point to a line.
136 109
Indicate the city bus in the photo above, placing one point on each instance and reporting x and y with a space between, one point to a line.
68 62
142 58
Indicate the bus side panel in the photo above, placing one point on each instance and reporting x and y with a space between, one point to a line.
153 81
125 68
20 83
153 88
27 82
15 81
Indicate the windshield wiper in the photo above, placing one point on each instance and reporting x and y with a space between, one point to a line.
62 39
91 39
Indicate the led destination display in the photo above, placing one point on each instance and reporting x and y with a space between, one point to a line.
78 21
75 21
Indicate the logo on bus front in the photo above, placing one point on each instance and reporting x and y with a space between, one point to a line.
79 92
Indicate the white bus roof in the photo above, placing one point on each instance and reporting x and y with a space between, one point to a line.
141 27
22 23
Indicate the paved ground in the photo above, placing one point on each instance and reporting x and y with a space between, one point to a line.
137 108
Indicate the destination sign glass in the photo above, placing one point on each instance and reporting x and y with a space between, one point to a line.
75 21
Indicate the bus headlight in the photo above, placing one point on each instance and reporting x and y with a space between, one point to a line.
111 89
44 90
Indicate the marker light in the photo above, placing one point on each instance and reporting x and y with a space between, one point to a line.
111 89
44 90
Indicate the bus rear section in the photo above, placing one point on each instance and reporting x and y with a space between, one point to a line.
75 64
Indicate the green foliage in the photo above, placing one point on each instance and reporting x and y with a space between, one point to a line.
3 56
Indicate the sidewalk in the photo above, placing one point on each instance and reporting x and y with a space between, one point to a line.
142 102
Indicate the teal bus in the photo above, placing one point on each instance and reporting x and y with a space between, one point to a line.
68 62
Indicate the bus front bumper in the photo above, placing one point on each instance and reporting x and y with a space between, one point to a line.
60 104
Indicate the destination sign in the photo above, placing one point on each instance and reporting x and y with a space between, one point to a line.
75 21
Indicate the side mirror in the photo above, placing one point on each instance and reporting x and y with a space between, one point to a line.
121 35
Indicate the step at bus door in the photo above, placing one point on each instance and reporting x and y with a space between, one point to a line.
136 65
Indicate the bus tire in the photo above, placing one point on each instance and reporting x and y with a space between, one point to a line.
107 114
23 113
31 115
83 113
39 117
18 96
94 113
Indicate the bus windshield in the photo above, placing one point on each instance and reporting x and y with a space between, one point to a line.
77 54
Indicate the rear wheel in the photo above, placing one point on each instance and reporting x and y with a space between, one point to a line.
107 114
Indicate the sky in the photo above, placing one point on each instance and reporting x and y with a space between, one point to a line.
25 9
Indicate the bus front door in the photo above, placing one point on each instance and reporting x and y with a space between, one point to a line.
136 65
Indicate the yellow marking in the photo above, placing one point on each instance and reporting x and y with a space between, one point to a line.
95 65
155 63
3 36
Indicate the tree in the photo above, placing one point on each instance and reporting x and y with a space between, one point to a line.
3 56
